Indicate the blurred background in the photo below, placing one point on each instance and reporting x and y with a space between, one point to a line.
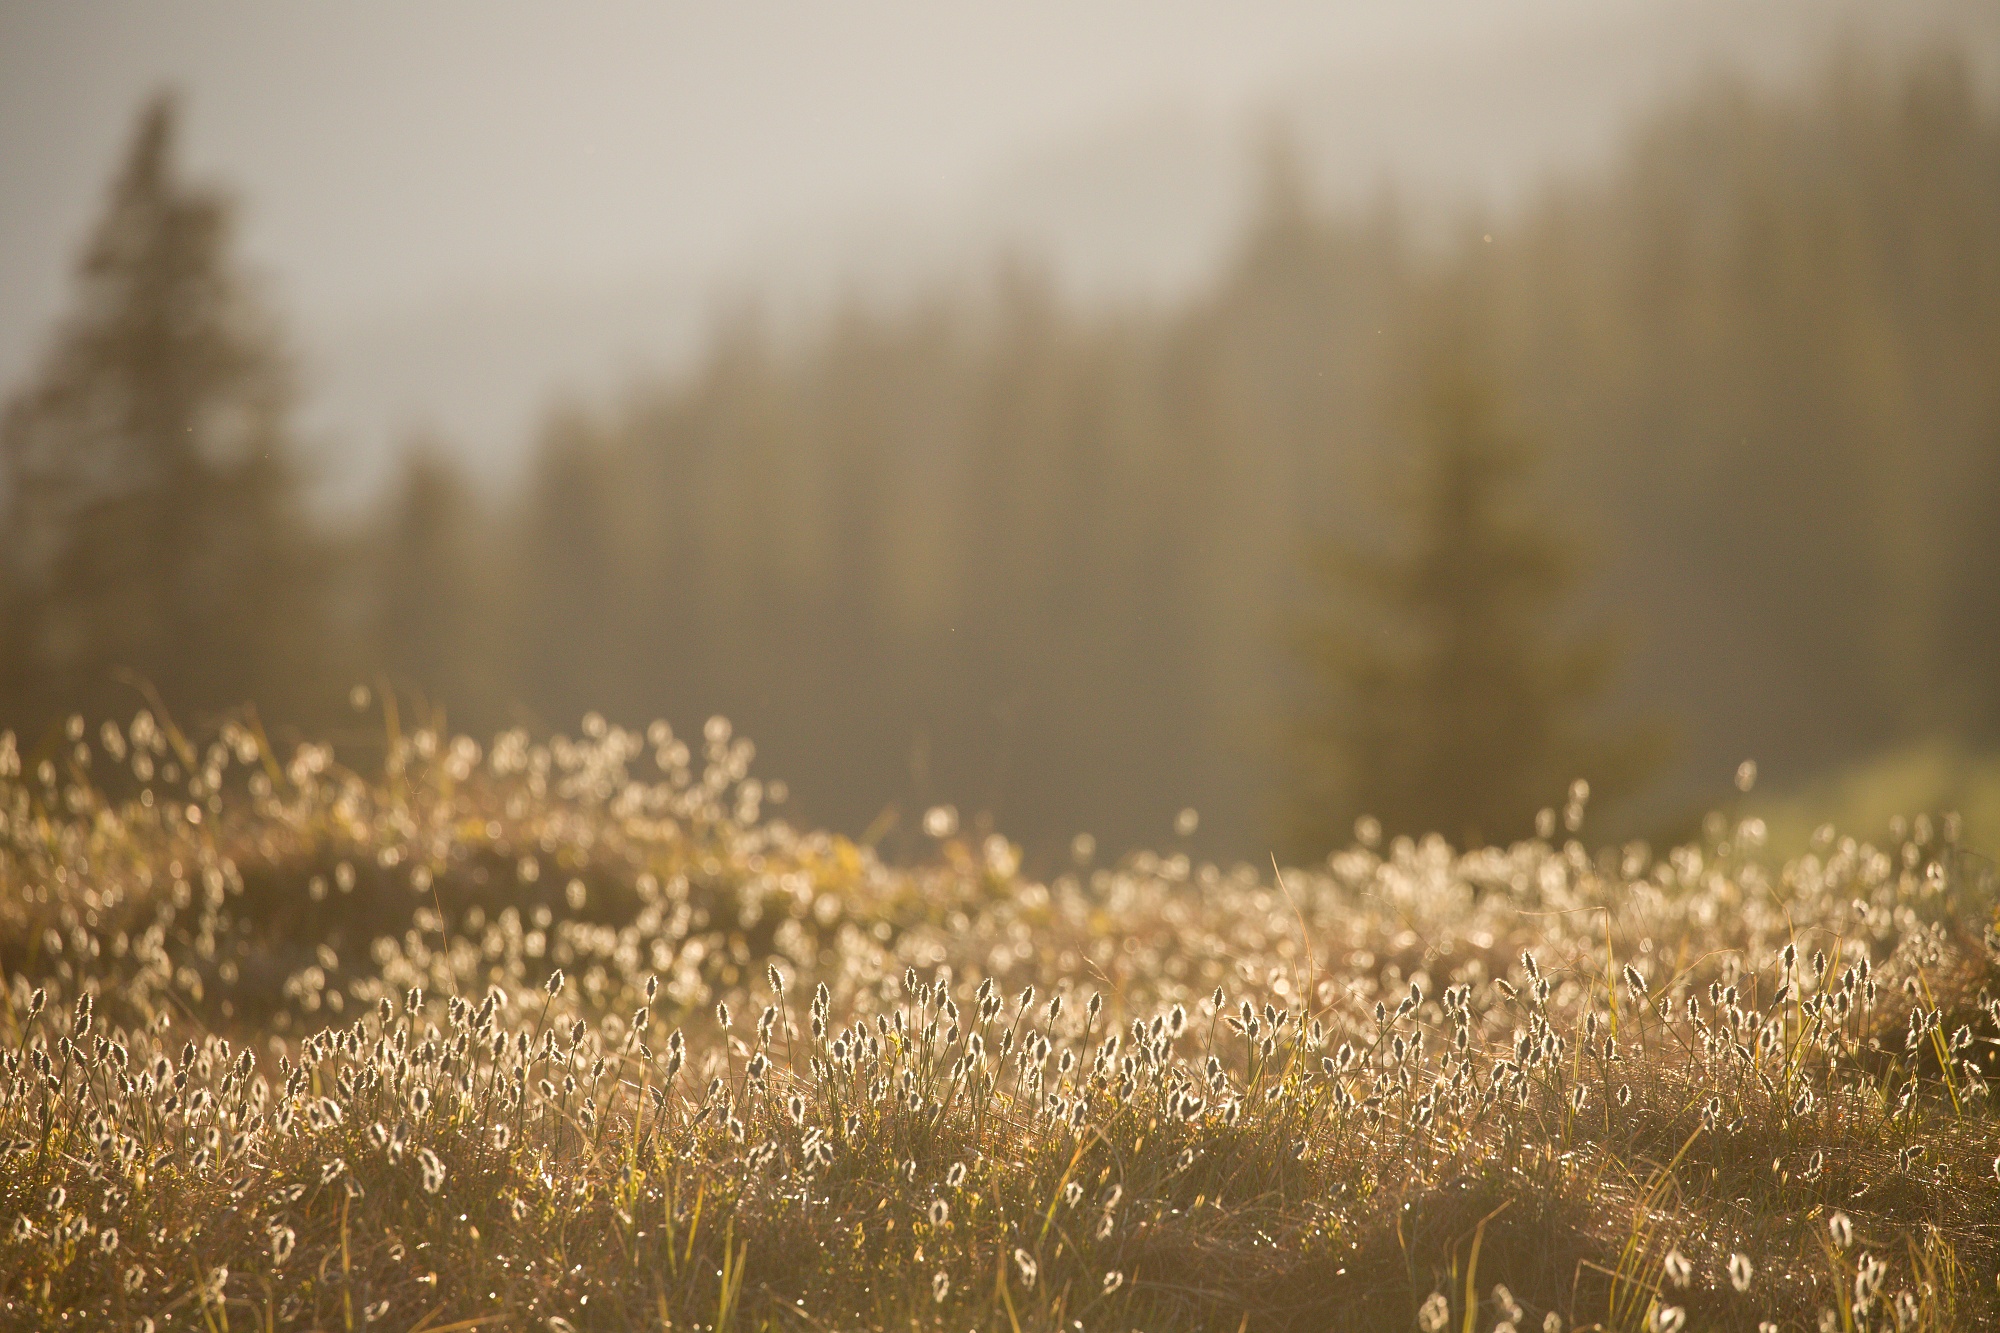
1188 426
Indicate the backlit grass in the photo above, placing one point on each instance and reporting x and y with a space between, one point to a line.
582 1036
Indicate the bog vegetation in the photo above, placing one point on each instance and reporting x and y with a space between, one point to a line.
583 1035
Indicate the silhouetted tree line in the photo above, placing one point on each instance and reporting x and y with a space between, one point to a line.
154 533
1376 525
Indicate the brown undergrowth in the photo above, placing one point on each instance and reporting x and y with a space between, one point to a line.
578 1035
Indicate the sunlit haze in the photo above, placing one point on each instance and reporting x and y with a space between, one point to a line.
463 208
1201 666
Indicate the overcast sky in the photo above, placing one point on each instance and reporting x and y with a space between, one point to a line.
388 149
391 156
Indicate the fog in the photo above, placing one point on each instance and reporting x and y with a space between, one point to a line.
465 209
1074 415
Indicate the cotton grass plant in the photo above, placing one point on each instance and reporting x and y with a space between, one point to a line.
580 1035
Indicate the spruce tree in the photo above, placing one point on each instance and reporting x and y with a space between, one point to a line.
430 624
149 485
1440 690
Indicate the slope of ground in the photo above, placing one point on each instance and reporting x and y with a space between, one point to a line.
577 1036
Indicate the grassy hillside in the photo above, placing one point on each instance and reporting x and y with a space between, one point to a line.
582 1036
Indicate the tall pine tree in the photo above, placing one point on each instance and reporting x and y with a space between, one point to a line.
149 483
431 623
1441 692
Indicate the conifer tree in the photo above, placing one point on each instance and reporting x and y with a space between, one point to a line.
149 483
431 623
1441 692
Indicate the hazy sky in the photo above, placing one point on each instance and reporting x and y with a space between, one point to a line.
393 157
387 150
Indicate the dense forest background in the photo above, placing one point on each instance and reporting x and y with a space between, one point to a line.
1054 565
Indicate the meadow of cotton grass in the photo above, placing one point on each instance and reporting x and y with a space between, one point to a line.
578 1035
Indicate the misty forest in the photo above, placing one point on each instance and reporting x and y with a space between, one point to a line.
992 810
